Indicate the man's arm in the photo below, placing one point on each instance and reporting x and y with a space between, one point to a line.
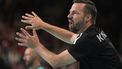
55 60
32 41
37 23
61 33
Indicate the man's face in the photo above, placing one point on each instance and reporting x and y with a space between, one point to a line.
28 57
76 17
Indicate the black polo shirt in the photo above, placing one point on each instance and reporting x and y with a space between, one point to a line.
95 51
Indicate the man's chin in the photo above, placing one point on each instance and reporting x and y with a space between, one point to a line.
28 65
70 29
73 30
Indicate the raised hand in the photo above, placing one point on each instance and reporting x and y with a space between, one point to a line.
27 40
34 20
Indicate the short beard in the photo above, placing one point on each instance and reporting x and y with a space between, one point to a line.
77 27
30 64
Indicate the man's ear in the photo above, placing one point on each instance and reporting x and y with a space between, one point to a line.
88 17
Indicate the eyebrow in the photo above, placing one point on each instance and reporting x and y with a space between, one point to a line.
73 11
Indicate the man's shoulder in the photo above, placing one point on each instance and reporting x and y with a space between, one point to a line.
93 33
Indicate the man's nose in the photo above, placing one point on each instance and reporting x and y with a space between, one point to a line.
69 16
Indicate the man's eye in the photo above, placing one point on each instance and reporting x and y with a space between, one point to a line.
76 13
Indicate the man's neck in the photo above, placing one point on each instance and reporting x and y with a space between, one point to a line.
85 28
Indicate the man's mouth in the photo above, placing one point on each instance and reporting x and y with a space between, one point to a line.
70 22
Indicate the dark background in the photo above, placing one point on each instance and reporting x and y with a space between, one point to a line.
55 12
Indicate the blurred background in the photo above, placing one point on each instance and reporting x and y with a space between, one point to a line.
54 12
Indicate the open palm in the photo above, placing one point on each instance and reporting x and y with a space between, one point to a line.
27 40
33 20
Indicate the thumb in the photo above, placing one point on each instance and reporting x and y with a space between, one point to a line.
29 27
34 32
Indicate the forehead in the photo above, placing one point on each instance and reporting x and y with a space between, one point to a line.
28 51
77 6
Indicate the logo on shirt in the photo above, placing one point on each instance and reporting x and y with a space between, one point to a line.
101 36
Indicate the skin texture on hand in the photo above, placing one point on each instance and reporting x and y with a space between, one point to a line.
32 41
34 20
25 39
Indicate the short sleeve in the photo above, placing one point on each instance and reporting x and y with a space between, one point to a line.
82 49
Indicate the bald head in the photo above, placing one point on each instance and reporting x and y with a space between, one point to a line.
28 51
29 56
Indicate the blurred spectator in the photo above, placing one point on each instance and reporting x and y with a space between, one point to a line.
10 59
32 60
4 65
15 59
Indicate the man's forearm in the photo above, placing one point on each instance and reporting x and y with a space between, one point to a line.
55 60
45 54
60 33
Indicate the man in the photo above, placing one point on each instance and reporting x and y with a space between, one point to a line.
91 46
31 59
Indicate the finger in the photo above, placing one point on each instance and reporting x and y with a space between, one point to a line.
21 35
29 15
29 27
26 17
34 13
34 32
25 32
26 21
22 44
21 40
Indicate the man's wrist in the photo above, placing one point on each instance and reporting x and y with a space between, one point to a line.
36 48
43 26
